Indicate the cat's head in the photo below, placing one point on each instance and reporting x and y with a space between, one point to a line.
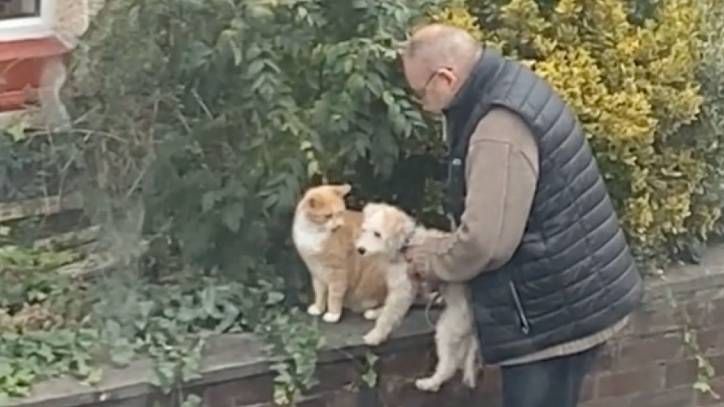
324 205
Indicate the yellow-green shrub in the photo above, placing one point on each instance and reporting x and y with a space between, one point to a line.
633 85
706 136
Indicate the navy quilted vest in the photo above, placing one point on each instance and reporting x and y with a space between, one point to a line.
573 273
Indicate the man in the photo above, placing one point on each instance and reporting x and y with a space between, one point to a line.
536 236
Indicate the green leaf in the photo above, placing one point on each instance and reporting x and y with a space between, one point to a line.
192 400
274 297
122 353
369 376
208 200
17 131
255 67
197 54
232 215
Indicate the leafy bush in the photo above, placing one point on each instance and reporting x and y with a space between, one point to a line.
207 121
706 136
631 75
217 113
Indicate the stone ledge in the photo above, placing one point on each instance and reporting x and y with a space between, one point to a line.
231 359
226 358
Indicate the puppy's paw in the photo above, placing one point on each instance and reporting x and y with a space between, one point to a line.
314 311
469 380
331 318
372 314
429 384
373 338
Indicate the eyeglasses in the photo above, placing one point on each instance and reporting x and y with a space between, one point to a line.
422 92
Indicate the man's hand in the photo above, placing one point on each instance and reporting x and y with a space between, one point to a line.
420 260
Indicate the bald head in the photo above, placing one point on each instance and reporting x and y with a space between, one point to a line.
441 45
437 59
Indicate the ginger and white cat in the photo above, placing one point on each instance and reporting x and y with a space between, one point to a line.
324 233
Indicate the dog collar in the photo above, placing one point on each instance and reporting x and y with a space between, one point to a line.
408 238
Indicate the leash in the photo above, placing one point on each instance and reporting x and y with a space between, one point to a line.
435 295
428 306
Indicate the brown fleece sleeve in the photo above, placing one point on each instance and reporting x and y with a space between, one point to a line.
501 176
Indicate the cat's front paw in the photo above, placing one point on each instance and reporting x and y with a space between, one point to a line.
373 338
429 384
331 317
314 310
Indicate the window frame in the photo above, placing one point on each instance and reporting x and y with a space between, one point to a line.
25 28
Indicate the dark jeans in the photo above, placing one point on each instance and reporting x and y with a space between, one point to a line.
549 383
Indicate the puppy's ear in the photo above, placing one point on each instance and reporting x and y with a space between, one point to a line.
343 190
370 209
402 226
312 202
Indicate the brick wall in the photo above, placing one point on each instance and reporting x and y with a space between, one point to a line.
647 365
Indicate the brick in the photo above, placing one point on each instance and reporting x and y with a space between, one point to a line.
332 376
711 339
681 373
634 381
490 380
400 391
256 389
609 402
716 309
683 396
637 352
717 363
605 360
418 361
699 313
660 318
339 398
588 389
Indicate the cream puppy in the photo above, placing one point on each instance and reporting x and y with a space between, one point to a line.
386 230
383 234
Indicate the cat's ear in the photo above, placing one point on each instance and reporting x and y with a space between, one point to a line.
343 190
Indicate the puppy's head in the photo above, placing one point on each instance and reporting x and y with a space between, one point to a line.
385 229
324 205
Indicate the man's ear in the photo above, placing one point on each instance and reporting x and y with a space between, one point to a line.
342 190
448 74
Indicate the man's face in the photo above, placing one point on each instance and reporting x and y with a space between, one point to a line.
432 88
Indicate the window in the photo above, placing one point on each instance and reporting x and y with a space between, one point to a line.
26 19
10 9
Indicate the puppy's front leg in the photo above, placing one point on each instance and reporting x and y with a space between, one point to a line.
400 297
